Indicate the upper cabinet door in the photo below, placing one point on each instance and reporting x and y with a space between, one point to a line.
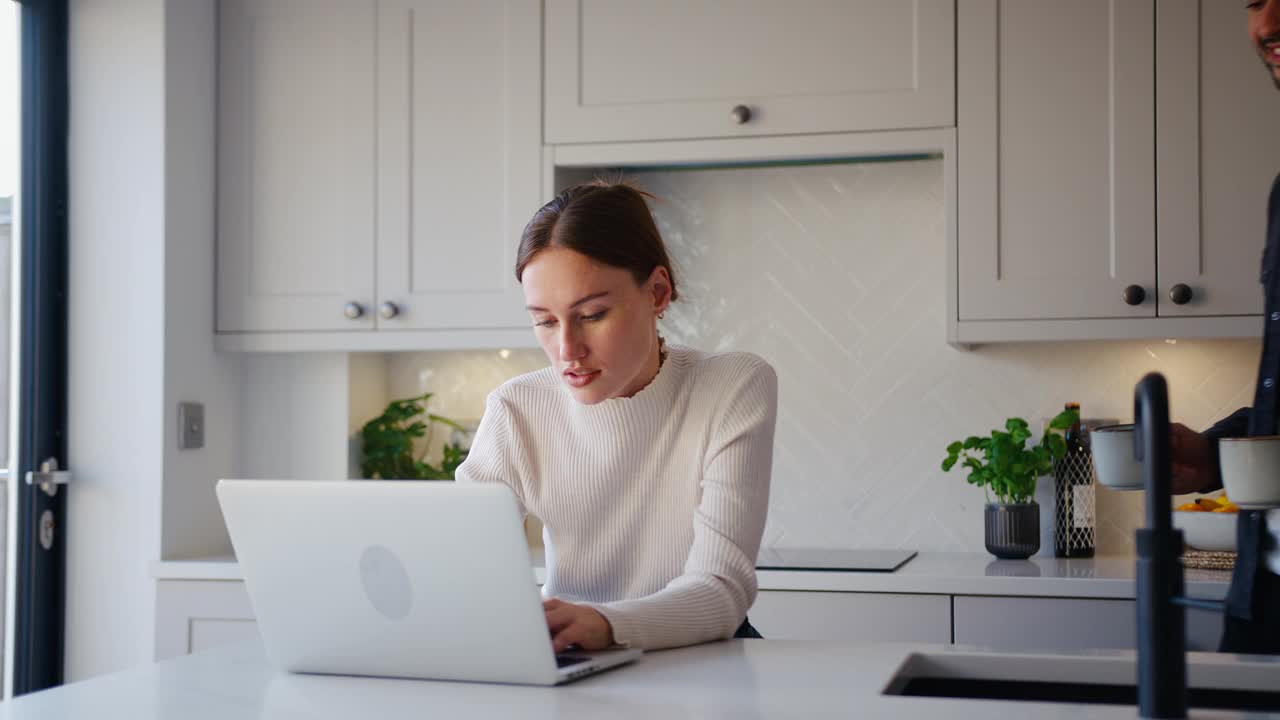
1055 159
296 175
459 158
1218 153
665 69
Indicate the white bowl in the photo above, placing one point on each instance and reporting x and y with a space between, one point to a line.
1211 531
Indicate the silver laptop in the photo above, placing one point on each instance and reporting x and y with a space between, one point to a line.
427 580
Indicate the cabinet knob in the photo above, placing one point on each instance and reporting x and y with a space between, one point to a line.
1180 294
741 114
1134 295
388 310
353 310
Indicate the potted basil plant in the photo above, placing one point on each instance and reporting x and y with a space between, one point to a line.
1003 466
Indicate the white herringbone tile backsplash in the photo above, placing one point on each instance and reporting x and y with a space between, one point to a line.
835 274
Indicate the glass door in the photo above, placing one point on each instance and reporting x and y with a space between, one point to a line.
9 114
37 492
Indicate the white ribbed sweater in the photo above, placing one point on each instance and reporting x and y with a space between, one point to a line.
653 505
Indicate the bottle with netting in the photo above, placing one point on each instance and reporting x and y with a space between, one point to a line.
1075 498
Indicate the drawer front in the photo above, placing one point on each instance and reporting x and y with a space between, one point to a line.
1049 624
194 615
205 633
860 617
1056 624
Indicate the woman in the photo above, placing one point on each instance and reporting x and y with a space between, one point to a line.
648 465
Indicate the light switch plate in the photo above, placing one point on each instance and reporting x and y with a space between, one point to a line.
190 425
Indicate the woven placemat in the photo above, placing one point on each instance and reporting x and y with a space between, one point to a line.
1205 560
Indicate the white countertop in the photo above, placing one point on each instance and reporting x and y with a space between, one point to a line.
940 573
737 679
213 567
947 573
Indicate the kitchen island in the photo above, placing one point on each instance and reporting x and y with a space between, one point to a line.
736 679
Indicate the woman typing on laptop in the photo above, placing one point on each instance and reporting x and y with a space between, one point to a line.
647 464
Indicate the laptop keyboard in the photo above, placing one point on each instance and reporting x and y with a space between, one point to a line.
567 660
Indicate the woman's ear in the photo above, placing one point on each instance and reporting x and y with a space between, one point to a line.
659 285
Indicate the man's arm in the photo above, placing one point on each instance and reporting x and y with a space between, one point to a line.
1234 425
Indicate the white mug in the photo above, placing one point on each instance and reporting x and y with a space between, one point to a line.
1113 461
1251 470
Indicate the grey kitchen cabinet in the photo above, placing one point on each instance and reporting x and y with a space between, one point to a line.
1112 174
297 123
1056 624
1056 146
195 615
864 617
377 162
459 161
1217 152
684 69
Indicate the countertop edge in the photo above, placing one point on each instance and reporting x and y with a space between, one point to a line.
1208 584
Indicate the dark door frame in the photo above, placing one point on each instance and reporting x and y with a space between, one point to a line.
39 622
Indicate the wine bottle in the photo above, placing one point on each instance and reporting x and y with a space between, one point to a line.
1075 518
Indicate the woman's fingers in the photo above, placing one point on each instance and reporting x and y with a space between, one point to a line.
568 626
559 618
574 634
576 625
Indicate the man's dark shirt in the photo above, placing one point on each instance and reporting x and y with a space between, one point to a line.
1257 420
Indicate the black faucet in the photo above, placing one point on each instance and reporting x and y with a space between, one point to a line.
1162 642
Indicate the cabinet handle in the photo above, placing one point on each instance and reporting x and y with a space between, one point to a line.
1134 295
741 114
353 310
388 310
1180 294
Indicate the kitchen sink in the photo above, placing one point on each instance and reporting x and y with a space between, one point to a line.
1222 682
1083 693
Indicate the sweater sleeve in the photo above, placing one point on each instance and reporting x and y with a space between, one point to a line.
1232 426
709 600
494 454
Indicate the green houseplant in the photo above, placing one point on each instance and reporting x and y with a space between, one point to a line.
388 443
1002 464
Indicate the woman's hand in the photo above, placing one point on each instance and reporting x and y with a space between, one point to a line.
1190 459
576 625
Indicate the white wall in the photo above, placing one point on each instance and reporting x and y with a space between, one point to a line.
458 380
193 372
117 300
367 391
293 421
835 274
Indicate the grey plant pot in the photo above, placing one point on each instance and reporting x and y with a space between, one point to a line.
1013 531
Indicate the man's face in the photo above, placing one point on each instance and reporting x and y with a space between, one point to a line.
1264 31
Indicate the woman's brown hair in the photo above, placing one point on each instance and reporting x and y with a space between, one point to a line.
608 222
